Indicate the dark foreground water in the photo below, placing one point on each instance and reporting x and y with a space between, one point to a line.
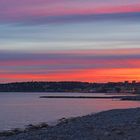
20 109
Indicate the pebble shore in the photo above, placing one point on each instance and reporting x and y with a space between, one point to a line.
119 124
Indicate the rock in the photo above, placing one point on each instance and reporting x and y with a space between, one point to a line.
17 130
32 127
7 133
129 138
43 125
113 129
62 120
138 121
107 133
119 132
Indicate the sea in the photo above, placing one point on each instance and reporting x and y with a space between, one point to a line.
17 110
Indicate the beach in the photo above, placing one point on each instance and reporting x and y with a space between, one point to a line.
118 124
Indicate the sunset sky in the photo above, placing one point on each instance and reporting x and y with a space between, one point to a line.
69 40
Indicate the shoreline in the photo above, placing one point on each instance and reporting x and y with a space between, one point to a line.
106 125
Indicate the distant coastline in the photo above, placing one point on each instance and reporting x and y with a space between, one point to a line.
71 86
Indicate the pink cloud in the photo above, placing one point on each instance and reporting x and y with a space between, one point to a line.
45 8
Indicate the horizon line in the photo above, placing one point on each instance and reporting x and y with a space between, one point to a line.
129 81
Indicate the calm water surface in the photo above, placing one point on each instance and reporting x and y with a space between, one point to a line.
20 109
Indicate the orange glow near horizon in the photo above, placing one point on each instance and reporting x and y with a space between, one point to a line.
89 75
